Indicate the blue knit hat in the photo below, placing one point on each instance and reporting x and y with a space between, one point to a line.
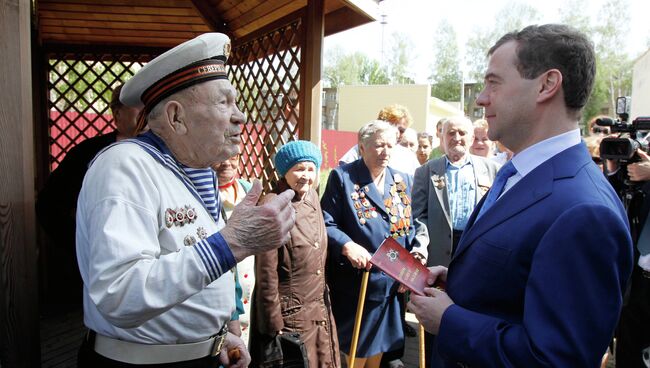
294 152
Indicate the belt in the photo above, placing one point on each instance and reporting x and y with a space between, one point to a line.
135 353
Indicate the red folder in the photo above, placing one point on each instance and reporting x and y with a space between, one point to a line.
399 264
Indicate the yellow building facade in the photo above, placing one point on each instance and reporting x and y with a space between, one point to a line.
360 104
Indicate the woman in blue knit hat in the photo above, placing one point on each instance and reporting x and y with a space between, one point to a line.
290 292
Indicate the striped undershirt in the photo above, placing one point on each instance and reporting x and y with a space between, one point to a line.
205 182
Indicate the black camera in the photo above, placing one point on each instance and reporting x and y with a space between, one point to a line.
623 148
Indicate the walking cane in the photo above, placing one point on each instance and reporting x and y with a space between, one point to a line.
357 319
421 338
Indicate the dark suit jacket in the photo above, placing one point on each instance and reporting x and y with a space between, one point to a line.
56 209
538 279
431 204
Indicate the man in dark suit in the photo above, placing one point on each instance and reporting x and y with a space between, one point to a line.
533 283
445 192
57 203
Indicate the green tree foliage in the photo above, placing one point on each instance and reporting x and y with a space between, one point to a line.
573 13
613 64
446 76
513 16
399 59
353 68
343 68
608 31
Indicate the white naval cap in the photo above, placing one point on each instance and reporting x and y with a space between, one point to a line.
195 61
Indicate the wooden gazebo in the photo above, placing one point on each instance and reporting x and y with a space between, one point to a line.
59 59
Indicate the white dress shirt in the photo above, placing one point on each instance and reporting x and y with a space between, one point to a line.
535 155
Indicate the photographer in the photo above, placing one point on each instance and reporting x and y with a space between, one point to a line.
633 334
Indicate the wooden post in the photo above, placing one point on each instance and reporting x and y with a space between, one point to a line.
19 341
421 347
310 76
357 320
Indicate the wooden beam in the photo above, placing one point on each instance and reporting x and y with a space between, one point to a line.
117 9
19 340
331 5
150 34
343 19
144 3
49 22
242 29
105 40
210 16
299 14
242 7
367 8
195 19
310 73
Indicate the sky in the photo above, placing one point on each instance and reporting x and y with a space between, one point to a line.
418 19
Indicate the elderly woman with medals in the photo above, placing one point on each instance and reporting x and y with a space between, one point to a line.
291 297
365 202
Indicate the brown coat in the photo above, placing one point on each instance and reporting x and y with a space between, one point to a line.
290 291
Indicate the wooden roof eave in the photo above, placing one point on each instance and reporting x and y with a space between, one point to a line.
129 24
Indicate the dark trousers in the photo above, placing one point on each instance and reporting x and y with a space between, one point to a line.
431 357
89 358
455 239
633 333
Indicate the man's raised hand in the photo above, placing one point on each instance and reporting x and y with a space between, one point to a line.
253 229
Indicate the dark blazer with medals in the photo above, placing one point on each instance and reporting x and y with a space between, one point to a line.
354 210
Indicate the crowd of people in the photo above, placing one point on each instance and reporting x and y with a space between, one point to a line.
184 264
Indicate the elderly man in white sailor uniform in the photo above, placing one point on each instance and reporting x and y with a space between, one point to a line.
153 252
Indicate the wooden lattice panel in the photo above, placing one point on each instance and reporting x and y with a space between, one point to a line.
79 92
265 71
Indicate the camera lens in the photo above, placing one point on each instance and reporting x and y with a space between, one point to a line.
598 130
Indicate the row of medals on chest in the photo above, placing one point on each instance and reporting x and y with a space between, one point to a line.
182 216
398 206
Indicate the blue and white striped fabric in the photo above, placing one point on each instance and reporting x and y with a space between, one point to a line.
214 251
215 255
205 182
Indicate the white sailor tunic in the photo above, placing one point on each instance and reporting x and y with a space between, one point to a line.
154 267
